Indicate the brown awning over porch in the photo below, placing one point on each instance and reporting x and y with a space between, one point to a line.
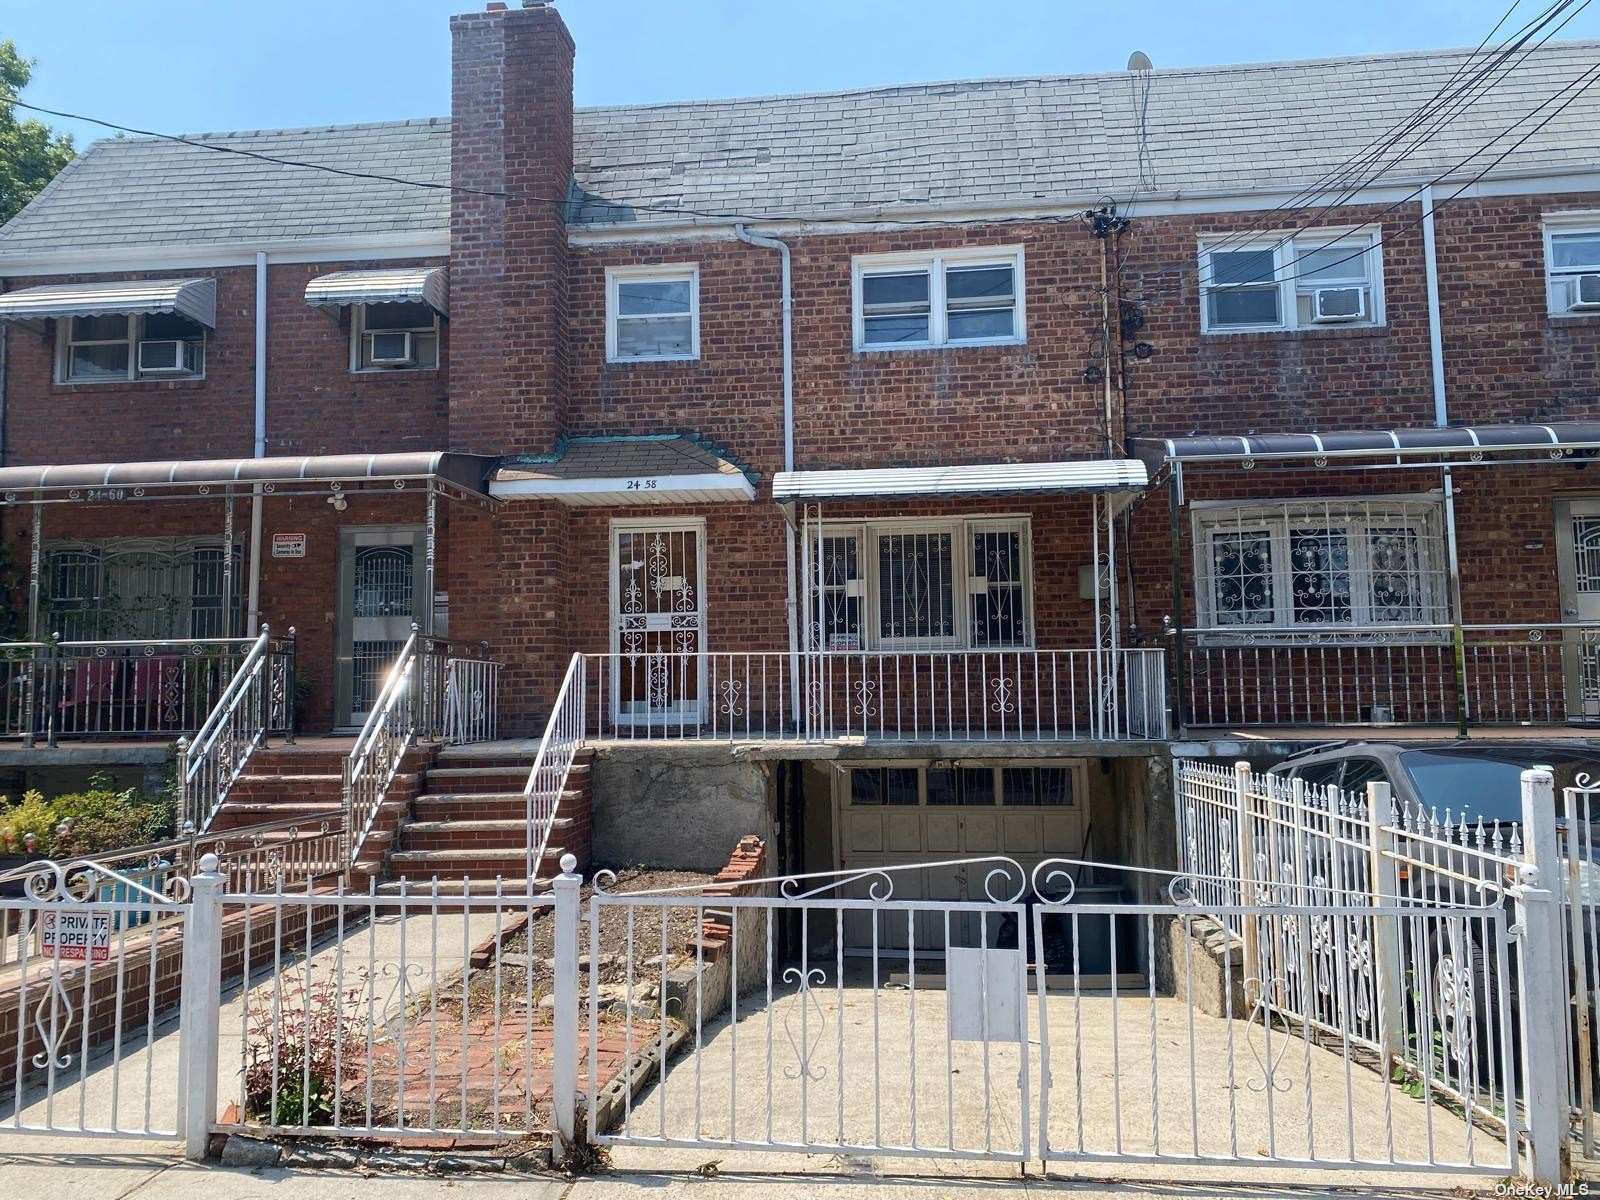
466 474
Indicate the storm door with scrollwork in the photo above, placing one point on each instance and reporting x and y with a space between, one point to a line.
658 629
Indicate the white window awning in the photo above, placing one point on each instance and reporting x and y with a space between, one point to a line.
395 285
192 298
626 471
986 479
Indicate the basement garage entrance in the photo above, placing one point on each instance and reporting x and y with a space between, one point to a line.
902 815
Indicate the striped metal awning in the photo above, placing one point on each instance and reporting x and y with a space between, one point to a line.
192 298
1472 443
988 479
396 285
321 473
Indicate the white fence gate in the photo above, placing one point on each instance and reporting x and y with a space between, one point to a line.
90 982
1450 1002
1314 1013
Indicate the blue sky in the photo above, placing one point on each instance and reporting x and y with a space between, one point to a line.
201 65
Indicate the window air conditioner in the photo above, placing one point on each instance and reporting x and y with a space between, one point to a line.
1339 304
165 355
389 349
1586 291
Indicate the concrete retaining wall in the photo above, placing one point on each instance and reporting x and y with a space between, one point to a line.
677 808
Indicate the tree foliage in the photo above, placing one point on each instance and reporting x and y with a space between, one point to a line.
30 152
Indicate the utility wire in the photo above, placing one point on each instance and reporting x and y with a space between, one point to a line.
1582 82
1463 99
516 197
1346 169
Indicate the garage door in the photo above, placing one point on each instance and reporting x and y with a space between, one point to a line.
902 816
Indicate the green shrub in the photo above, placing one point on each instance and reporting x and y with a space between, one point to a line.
74 824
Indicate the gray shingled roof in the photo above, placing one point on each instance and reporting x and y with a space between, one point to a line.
148 191
973 143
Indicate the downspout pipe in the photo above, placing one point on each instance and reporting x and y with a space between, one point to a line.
253 603
785 284
1441 417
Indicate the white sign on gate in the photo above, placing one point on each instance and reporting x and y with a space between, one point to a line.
75 935
979 982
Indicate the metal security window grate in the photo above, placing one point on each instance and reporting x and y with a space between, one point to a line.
1320 567
137 588
922 585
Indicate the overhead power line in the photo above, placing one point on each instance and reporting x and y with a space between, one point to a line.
1457 103
1349 167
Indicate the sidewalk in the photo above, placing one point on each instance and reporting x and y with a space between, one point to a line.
107 1174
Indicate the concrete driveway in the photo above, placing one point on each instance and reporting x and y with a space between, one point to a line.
799 1074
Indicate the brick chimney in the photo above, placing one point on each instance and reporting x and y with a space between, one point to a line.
511 132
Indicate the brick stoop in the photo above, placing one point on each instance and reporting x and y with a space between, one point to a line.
288 781
469 822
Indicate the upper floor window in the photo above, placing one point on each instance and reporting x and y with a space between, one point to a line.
652 313
922 585
115 347
394 337
1316 279
1310 565
1572 266
970 297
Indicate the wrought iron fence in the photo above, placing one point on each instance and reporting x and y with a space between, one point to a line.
471 700
1270 840
120 689
955 695
1390 675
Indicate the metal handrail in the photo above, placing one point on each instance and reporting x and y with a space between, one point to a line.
375 758
238 723
547 780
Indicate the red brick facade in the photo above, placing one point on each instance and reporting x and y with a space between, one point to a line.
526 363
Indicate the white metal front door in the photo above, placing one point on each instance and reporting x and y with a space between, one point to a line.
658 626
1578 547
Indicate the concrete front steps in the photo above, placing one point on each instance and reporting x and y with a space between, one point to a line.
305 780
469 823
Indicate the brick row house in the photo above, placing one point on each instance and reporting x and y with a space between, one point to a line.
915 470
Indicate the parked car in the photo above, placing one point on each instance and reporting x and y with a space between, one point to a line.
1478 783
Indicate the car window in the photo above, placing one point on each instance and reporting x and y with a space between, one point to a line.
1320 774
1470 787
1358 772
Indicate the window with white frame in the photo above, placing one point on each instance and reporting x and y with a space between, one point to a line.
652 313
921 585
119 347
1313 565
970 297
1572 270
1314 280
394 337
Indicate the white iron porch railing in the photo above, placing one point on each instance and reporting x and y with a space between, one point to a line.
258 699
951 695
1401 675
563 738
114 689
374 760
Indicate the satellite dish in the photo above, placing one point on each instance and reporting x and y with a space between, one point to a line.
1139 61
